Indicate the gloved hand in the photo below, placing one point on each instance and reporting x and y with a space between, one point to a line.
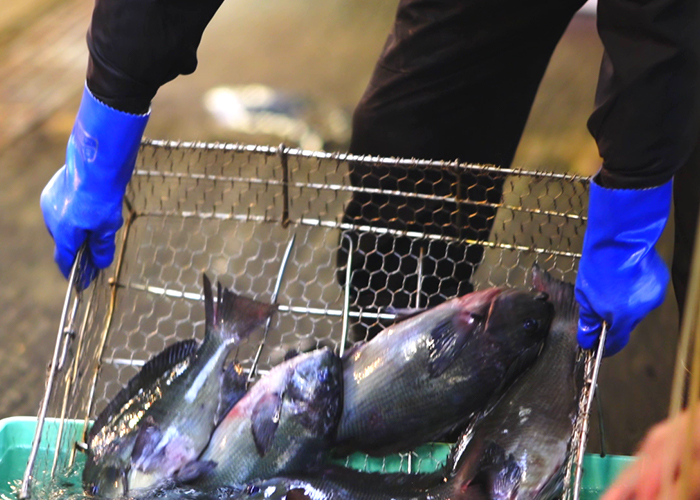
83 200
621 277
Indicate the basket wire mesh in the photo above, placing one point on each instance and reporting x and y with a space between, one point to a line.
335 240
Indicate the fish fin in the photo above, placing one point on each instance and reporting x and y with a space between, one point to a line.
506 481
194 470
519 366
297 494
521 363
234 316
464 454
147 375
146 443
448 338
561 294
233 388
500 473
264 421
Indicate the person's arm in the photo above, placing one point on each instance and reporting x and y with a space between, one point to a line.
135 47
659 459
646 124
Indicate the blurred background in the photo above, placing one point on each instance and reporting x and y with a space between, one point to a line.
319 55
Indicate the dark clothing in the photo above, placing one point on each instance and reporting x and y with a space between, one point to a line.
136 46
456 80
478 62
686 201
647 117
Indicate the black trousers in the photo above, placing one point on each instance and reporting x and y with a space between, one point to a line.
456 80
686 201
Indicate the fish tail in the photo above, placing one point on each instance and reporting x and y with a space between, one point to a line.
233 317
561 294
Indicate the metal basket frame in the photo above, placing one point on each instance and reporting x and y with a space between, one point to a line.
77 376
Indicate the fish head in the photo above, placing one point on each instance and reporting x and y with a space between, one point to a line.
520 318
314 391
562 297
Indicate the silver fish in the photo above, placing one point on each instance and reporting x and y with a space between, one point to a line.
533 422
284 424
429 374
173 425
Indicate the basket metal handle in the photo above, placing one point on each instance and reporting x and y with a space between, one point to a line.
593 360
74 292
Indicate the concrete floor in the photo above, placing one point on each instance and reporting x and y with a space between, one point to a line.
324 50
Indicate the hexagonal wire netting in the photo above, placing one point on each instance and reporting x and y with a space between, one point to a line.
407 233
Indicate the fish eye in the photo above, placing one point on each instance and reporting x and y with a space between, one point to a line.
531 325
475 318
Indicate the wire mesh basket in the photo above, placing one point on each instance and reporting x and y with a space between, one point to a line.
337 240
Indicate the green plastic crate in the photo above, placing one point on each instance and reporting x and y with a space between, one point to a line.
16 436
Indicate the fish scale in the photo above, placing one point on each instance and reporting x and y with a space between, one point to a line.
283 424
453 358
175 401
533 422
200 390
178 426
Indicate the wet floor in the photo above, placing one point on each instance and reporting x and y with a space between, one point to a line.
324 51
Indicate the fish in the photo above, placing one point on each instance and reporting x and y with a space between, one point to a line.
496 471
166 414
430 373
111 438
285 423
533 422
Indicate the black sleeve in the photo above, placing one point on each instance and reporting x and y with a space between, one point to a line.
138 45
647 117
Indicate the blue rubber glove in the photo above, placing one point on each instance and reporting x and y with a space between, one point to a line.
621 277
83 200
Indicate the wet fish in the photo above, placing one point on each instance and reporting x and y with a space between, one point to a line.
533 422
159 432
340 483
112 435
427 375
283 424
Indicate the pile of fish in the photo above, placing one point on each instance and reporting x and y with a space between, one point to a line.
499 365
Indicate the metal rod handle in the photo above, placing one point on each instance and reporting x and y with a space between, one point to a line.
275 292
25 490
346 298
592 384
